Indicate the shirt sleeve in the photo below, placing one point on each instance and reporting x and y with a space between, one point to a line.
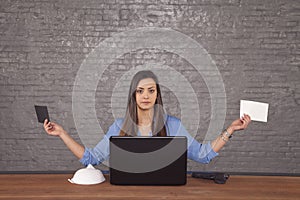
100 152
202 153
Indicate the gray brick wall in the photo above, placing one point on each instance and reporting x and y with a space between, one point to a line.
254 44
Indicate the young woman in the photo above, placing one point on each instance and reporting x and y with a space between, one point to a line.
145 117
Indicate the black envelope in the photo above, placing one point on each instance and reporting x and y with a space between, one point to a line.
42 113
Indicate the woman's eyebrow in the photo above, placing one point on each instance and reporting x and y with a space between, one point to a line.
153 86
139 87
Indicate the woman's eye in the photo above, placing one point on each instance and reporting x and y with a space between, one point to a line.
151 91
139 91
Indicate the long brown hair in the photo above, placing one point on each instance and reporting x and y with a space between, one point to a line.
130 127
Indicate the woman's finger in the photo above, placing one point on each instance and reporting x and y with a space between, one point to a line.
244 122
46 123
48 126
247 117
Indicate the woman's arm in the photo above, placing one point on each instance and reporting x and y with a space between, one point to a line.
236 125
56 130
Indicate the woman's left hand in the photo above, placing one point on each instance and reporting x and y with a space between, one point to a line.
239 124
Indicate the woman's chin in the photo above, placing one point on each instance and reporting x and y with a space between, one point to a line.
146 107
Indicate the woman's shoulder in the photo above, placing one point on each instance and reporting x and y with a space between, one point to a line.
115 127
172 119
118 122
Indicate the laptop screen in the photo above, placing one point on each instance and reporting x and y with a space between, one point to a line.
148 160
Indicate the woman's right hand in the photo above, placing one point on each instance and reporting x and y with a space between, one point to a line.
53 129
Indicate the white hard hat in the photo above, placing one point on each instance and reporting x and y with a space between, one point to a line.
87 176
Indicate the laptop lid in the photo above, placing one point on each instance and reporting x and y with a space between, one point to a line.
148 160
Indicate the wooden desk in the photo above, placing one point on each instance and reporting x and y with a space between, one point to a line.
56 186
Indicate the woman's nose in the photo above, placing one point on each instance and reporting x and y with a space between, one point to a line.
146 95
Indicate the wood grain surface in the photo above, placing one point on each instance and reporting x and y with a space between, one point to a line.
56 186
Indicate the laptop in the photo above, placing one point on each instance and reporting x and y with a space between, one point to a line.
148 160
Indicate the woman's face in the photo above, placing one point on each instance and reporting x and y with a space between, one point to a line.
146 93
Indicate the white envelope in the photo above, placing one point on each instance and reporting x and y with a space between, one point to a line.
258 111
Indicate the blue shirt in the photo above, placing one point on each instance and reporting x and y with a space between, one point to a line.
198 152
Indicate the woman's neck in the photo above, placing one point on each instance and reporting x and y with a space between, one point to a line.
145 117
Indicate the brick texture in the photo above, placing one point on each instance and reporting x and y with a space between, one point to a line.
254 44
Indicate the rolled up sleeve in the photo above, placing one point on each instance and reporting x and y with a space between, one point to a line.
88 158
96 155
202 153
198 152
100 152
